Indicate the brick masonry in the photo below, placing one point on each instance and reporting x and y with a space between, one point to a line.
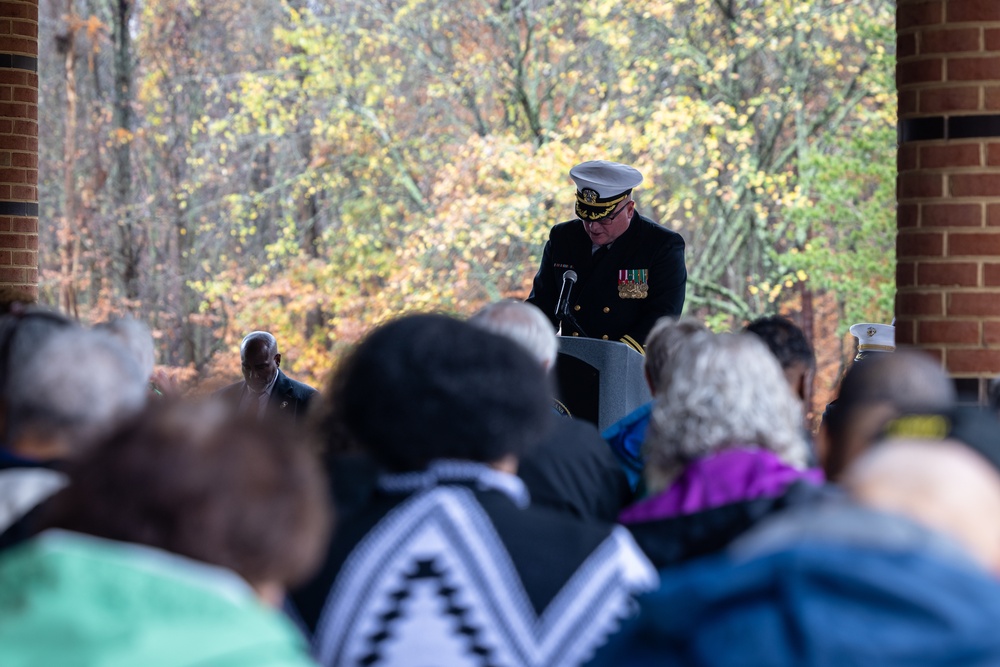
19 148
948 242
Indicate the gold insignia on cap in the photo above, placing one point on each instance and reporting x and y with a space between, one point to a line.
871 331
591 207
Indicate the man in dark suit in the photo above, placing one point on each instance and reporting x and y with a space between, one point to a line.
630 270
265 390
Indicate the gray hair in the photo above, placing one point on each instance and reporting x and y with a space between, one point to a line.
76 384
662 343
272 342
20 335
522 323
137 337
721 390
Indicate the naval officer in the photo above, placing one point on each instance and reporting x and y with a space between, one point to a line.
629 270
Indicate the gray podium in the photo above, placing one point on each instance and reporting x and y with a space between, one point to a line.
600 380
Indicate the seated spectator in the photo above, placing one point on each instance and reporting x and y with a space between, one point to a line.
571 469
449 564
904 572
725 449
875 389
790 347
172 533
627 435
66 390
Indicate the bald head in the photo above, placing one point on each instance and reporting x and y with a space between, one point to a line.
943 485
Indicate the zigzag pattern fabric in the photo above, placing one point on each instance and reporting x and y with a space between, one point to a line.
433 579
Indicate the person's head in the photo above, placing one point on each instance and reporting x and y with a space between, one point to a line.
136 337
942 484
661 344
721 391
259 360
21 332
604 198
428 387
524 324
873 391
790 347
196 480
68 391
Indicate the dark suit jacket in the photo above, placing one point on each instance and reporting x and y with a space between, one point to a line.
288 397
574 470
596 303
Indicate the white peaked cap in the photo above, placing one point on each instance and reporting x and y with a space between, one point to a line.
874 337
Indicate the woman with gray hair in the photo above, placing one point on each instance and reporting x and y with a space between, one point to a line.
725 448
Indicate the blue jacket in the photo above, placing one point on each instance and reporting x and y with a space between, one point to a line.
626 437
854 600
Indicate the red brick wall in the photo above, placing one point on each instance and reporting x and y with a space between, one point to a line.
948 243
19 147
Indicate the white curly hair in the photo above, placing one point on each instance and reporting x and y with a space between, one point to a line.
721 390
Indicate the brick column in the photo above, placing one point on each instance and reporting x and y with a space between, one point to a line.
948 246
19 147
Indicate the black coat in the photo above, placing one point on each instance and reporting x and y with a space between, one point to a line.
574 470
596 301
288 397
671 541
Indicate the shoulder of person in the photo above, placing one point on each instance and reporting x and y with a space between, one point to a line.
300 389
572 227
658 232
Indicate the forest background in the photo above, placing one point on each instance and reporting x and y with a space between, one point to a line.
315 168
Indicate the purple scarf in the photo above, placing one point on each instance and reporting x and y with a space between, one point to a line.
730 476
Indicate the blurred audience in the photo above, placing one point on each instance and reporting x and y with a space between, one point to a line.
789 345
627 435
571 469
60 394
138 340
725 449
173 532
450 563
903 572
475 524
875 389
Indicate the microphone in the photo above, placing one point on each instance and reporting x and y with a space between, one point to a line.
562 305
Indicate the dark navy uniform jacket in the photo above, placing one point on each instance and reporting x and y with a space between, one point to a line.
596 302
289 397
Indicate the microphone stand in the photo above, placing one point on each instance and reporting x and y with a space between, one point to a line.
563 313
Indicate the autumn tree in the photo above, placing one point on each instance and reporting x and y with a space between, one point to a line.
316 168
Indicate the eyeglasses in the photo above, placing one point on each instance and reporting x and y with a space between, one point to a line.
604 222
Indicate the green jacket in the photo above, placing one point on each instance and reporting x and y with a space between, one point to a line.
72 599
